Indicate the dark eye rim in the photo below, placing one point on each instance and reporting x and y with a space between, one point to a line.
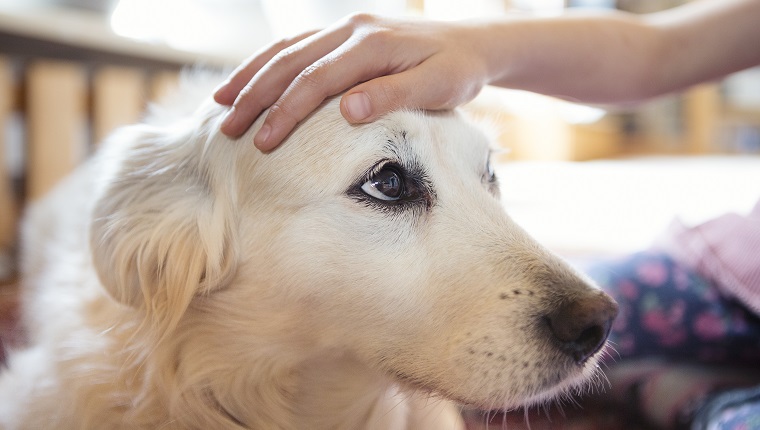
413 189
395 170
490 179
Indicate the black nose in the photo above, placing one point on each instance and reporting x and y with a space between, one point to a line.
581 326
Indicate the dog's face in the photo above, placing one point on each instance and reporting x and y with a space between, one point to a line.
385 241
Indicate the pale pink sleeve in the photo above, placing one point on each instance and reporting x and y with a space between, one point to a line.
725 250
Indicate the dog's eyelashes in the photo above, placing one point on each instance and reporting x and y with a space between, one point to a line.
387 184
391 186
490 172
490 180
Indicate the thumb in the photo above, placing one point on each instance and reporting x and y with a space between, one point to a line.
411 89
356 107
374 98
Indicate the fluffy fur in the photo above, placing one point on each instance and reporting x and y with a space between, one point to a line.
183 280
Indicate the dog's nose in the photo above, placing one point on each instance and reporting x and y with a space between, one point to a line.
581 326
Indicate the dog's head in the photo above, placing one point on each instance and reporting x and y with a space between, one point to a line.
386 241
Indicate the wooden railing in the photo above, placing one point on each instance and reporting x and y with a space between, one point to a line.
53 113
66 81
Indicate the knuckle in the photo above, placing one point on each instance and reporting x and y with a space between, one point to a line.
282 44
286 42
287 54
250 99
290 41
283 55
379 37
312 79
359 19
280 114
373 32
281 49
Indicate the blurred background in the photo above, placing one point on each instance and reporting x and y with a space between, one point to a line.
583 179
589 182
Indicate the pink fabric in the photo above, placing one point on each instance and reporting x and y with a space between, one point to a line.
725 250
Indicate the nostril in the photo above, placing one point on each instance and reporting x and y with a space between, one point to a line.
589 342
581 327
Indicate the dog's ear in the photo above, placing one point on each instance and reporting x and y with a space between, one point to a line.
161 233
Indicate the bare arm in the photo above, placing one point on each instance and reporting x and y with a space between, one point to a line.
396 63
619 57
387 64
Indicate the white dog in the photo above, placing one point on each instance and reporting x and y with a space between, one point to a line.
356 277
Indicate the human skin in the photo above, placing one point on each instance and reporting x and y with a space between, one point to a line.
384 64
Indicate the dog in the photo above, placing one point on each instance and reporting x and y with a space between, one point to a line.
357 277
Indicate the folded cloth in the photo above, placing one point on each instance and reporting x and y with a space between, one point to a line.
725 250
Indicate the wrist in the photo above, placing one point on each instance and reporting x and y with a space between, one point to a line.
491 56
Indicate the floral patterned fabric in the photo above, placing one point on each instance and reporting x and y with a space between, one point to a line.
732 410
668 310
679 341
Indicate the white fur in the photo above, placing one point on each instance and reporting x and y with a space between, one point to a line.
184 280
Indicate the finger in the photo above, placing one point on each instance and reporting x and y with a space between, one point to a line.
410 89
328 76
227 91
271 81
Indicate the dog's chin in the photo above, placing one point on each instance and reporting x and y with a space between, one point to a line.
491 420
515 414
508 414
503 418
506 417
477 418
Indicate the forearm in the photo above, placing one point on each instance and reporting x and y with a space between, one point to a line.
591 58
619 57
386 64
707 40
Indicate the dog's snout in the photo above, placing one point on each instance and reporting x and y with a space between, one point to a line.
581 326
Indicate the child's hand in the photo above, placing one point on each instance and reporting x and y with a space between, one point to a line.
397 63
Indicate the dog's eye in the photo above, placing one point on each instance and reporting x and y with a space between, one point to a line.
489 176
489 179
387 184
490 173
391 186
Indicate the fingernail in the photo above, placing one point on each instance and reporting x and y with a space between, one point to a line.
228 118
260 140
357 106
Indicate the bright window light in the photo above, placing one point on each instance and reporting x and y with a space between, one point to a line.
223 27
291 17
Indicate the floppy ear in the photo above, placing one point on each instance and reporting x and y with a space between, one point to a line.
160 232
